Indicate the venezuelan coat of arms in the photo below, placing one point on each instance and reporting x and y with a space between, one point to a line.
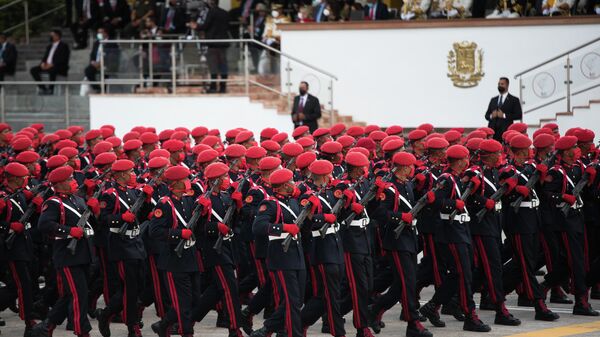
465 64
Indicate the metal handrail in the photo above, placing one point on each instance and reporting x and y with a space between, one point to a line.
25 14
35 18
558 57
10 4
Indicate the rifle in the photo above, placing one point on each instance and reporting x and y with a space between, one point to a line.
421 203
577 191
83 220
371 194
139 202
464 197
532 181
229 214
31 208
338 207
299 222
194 218
80 189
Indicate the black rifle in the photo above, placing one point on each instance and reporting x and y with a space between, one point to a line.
31 208
299 222
96 178
229 214
72 246
577 191
421 203
532 181
464 197
338 207
193 223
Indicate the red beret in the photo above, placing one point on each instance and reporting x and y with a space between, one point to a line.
370 128
56 161
20 144
476 134
30 130
367 143
108 126
268 133
425 127
105 159
473 143
490 145
199 148
138 129
25 134
305 159
165 134
377 135
214 132
572 131
299 131
392 137
269 163
404 159
132 145
306 141
181 135
417 134
508 134
337 129
520 142
437 143
50 139
16 169
101 147
292 149
457 152
331 147
93 134
199 131
280 137
356 159
206 156
243 136
356 131
434 135
65 143
183 128
149 138
68 152
270 145
519 127
114 140
158 162
543 140
280 176
488 131
215 170
37 126
173 145
232 133
63 134
256 152
159 153
235 151
60 174
122 165
346 140
393 145
4 126
131 135
74 129
551 126
362 150
585 136
106 132
27 157
394 130
566 142
211 140
452 136
320 132
178 172
542 131
321 167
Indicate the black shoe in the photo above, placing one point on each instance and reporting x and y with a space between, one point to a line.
325 328
372 318
415 329
584 309
222 320
558 296
428 310
43 329
134 331
421 318
524 302
69 326
161 328
452 308
246 321
506 319
473 323
103 322
486 303
174 329
235 333
262 332
542 313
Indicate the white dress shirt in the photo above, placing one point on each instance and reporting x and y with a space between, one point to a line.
51 53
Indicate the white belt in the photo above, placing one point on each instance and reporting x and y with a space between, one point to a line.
574 206
283 236
130 233
361 223
530 204
462 218
87 233
498 206
331 230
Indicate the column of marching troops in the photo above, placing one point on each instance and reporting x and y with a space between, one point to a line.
309 229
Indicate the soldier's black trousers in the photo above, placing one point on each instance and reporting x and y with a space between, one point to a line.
428 270
125 298
223 287
457 258
154 287
488 266
19 270
521 269
329 279
573 268
290 285
73 296
184 295
264 295
359 273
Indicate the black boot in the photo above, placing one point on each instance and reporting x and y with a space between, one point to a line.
473 323
416 329
542 313
134 331
262 332
246 321
325 324
430 311
557 295
452 308
235 333
161 328
103 322
583 307
373 319
503 317
222 320
364 332
43 329
486 303
28 328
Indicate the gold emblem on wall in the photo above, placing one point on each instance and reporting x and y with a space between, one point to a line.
465 63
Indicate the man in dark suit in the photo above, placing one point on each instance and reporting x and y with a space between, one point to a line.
55 62
112 14
376 10
306 109
173 18
8 57
216 27
111 57
503 110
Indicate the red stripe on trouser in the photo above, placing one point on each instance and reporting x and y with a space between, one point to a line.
565 239
547 255
76 309
519 252
353 294
462 291
379 241
59 285
486 270
15 275
259 269
122 275
586 255
313 276
400 270
104 275
228 299
288 312
437 278
276 297
175 300
199 261
328 300
156 286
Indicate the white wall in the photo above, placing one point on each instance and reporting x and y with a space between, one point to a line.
167 112
399 76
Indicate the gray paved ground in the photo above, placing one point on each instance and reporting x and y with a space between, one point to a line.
394 327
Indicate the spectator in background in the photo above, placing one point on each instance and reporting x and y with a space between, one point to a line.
304 14
87 18
113 14
257 32
159 51
306 109
173 19
320 12
141 10
503 110
216 27
376 10
111 55
55 62
8 56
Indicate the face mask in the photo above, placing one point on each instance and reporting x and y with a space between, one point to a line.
576 154
326 12
302 92
180 157
501 89
300 15
225 184
132 180
100 36
295 192
412 172
25 182
37 169
77 164
73 185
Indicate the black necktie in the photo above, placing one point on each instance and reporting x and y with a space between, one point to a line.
500 101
